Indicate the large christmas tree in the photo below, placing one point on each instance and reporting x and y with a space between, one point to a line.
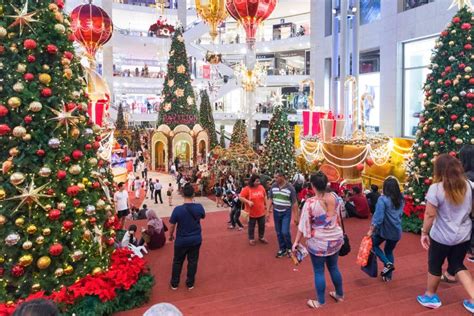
55 203
120 122
239 134
206 119
279 150
179 103
447 120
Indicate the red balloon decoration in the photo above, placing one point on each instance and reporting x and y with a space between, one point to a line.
91 26
250 13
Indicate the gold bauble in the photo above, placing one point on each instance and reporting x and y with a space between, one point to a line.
83 222
43 262
3 32
68 270
59 272
465 126
19 131
45 172
48 207
25 260
20 221
61 206
87 235
468 69
3 220
81 186
13 152
17 178
96 128
14 102
3 194
79 211
60 28
44 78
40 240
75 169
100 204
27 245
108 208
96 271
27 137
2 259
92 161
457 127
18 87
21 68
46 67
422 163
458 141
75 132
31 229
35 106
46 232
35 287
67 74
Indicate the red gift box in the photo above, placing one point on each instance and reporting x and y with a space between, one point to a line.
97 111
311 121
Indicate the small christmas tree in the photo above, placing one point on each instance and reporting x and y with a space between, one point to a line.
120 122
222 137
239 134
279 152
447 120
179 105
135 144
206 119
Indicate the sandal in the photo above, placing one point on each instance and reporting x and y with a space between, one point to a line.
445 278
336 297
313 304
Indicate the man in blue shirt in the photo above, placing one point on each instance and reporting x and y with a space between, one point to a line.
188 237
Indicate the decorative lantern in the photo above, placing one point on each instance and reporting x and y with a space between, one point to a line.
91 26
213 12
250 13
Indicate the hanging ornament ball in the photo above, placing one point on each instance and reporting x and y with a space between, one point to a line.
44 78
46 232
96 271
457 127
31 229
61 206
468 69
43 262
40 240
45 172
3 32
458 141
18 87
17 271
92 161
35 287
60 28
12 239
3 194
75 169
59 272
35 106
17 178
54 143
27 245
77 255
54 214
100 204
55 249
14 102
21 68
68 270
75 132
3 220
79 211
25 260
19 131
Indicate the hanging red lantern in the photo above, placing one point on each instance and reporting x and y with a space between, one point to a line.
91 26
250 13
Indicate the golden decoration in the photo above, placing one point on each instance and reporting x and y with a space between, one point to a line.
35 287
27 245
59 272
14 102
44 78
181 69
31 229
75 169
461 4
19 131
179 93
75 132
43 262
3 194
22 17
40 240
213 12
25 260
30 195
96 271
46 232
64 118
68 270
61 206
20 221
3 220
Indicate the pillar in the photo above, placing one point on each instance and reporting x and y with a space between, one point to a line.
182 12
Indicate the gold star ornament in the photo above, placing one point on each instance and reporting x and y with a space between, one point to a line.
22 17
461 4
29 195
64 118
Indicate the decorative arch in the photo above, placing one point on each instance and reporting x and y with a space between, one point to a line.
185 140
202 146
165 129
181 129
159 151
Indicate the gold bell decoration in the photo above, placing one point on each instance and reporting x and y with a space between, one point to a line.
213 12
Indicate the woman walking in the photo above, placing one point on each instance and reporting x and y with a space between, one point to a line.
387 225
449 201
169 193
319 225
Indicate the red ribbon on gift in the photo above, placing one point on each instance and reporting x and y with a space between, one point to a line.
315 117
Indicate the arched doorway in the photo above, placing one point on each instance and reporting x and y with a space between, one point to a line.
159 152
202 151
182 150
160 156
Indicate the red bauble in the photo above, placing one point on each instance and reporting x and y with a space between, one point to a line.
468 47
466 26
360 167
96 145
444 33
71 37
456 19
50 192
443 74
40 152
70 106
55 249
88 146
441 143
28 119
77 154
454 117
92 220
54 214
447 69
4 129
29 76
469 105
110 241
3 110
46 92
470 95
68 225
447 83
61 174
427 181
472 119
68 55
101 163
369 162
98 138
17 271
453 153
462 66
441 131
426 142
66 159
52 49
31 58
2 272
29 44
471 81
60 4
453 138
96 185
73 190
76 202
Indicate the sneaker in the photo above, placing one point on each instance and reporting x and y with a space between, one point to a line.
190 288
281 253
470 259
252 242
174 288
429 301
468 305
263 240
240 229
387 269
230 227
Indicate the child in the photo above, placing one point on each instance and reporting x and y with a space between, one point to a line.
129 237
218 194
137 185
233 201
169 193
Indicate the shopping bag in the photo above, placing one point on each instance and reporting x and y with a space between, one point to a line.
371 267
364 251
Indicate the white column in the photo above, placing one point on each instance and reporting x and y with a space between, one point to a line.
343 59
108 53
182 12
317 54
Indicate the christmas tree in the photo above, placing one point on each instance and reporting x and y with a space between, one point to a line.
447 120
239 134
55 203
222 137
179 105
206 119
120 123
279 152
135 143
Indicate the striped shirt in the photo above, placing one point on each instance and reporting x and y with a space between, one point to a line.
282 198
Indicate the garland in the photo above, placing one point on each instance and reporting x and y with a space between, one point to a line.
103 293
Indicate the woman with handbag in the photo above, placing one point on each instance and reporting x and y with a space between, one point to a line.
324 238
387 225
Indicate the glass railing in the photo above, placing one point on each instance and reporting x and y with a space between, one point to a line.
149 3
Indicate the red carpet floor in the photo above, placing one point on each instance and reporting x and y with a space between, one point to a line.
237 279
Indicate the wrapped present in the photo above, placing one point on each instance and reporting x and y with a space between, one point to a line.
312 122
332 127
98 111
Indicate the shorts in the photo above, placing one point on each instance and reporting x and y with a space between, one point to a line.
123 213
437 253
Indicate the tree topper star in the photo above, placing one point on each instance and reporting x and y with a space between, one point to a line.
29 195
23 17
461 4
65 118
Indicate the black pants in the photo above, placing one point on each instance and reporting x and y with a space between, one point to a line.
235 217
261 227
158 194
352 211
152 192
180 253
437 253
145 173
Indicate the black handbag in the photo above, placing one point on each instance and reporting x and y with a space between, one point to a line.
346 246
371 267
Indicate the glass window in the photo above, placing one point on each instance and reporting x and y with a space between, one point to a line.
411 4
369 11
416 58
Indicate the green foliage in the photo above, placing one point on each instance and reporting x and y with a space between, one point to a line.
412 223
239 134
222 137
446 122
36 160
206 119
120 123
279 152
179 103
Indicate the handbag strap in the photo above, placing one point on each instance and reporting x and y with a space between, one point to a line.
190 213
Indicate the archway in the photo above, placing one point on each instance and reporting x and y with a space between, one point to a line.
159 151
183 149
202 151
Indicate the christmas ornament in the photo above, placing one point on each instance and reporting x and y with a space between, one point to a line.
77 255
96 271
43 262
45 172
75 169
17 271
31 229
12 239
3 111
54 143
39 240
17 178
64 118
44 78
72 190
27 245
61 175
40 152
25 260
30 195
35 106
3 220
22 17
61 206
35 287
52 49
46 92
27 137
68 225
4 129
14 102
68 270
55 249
54 214
19 131
90 210
21 68
46 232
20 221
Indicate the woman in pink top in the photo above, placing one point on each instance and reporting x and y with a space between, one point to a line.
324 238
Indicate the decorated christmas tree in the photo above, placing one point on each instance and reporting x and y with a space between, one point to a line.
279 150
206 119
135 143
239 134
120 122
179 104
56 226
222 137
447 119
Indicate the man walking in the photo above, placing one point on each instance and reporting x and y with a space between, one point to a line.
188 237
158 188
282 198
152 188
122 205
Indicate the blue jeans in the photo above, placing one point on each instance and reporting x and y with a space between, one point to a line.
282 227
385 255
320 280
